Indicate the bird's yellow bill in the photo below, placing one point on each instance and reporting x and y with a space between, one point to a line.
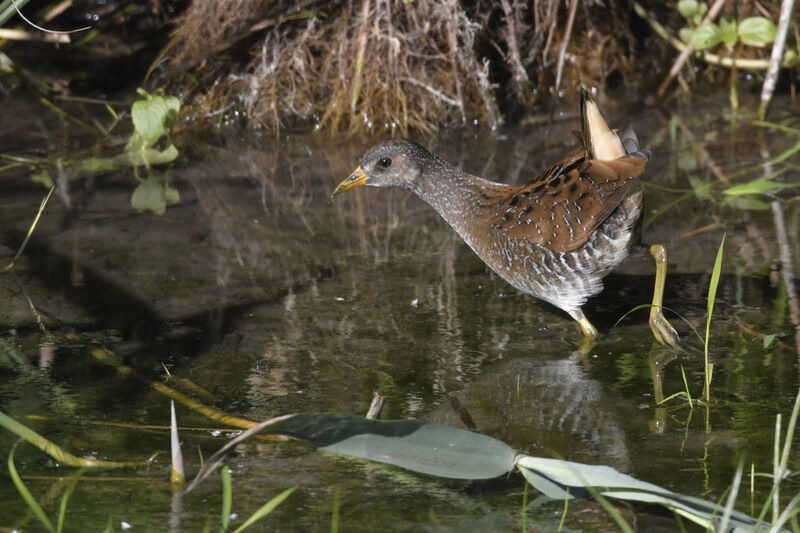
356 179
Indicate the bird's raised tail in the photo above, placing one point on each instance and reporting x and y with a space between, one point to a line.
599 141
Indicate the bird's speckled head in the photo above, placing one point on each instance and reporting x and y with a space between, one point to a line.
394 162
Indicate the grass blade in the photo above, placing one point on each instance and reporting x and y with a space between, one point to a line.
62 510
712 294
227 496
30 232
55 451
26 494
266 509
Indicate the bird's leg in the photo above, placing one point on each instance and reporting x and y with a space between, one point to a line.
588 329
662 329
589 332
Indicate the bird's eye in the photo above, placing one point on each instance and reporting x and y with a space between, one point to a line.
384 162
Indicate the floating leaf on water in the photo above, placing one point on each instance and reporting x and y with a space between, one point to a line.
412 444
757 31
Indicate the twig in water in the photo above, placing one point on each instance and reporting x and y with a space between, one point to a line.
775 59
466 419
787 270
376 406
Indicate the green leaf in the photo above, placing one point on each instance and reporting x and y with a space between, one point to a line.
707 35
43 177
758 186
790 59
701 9
688 8
149 195
154 116
137 154
746 203
757 31
412 444
566 480
171 194
685 34
728 28
768 340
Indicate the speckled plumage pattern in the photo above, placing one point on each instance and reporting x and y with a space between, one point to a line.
554 238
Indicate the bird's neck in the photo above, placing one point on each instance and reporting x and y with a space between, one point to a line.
460 198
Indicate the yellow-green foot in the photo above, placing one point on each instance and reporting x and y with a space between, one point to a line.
659 325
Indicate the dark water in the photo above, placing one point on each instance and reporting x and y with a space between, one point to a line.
275 301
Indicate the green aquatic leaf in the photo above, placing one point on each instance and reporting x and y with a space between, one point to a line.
154 116
685 34
96 165
790 59
138 154
688 8
768 340
757 186
746 203
757 31
30 501
728 29
445 451
707 35
42 177
412 444
171 194
563 480
149 196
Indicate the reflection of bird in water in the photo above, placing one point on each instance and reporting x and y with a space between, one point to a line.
554 238
548 407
